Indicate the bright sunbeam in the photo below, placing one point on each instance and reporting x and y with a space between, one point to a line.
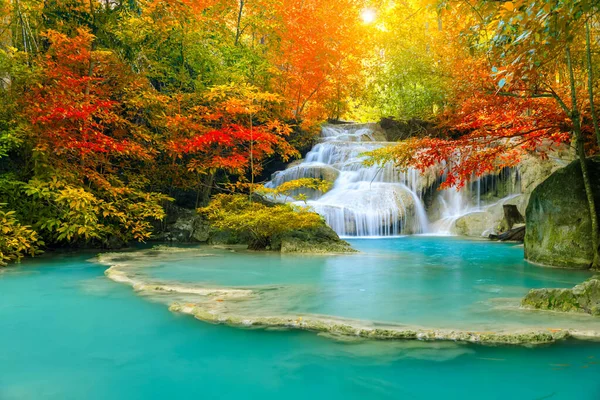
368 15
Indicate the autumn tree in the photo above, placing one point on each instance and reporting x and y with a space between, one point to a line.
522 92
75 141
318 68
235 130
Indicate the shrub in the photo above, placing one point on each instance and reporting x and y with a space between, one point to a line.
16 240
258 221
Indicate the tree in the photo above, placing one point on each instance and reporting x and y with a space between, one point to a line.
317 68
16 240
409 76
235 131
523 94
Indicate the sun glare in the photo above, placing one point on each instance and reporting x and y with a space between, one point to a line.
368 15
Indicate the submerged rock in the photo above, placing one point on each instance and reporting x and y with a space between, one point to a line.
516 234
223 305
339 328
558 218
583 298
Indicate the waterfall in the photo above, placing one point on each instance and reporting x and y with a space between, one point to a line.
384 201
364 201
478 195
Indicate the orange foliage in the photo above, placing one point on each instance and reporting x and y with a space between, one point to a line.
320 55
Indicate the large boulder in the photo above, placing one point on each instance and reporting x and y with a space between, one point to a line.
488 221
475 224
534 170
559 231
583 298
304 170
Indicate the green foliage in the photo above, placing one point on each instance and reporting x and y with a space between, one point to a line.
409 76
64 213
256 220
294 188
16 240
13 70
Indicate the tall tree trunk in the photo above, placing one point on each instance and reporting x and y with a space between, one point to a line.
591 81
251 159
238 28
576 118
92 48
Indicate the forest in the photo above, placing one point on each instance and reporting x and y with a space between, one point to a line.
113 110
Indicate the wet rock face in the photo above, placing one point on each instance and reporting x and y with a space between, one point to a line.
298 171
558 219
402 130
583 298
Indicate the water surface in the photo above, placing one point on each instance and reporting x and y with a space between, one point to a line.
67 332
420 281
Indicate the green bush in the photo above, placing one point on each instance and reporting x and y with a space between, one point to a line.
16 240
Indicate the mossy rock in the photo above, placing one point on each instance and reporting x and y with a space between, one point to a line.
583 298
321 239
559 231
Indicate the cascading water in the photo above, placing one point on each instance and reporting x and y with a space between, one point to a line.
364 201
384 201
478 195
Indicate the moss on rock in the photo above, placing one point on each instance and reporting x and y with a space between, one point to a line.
558 231
318 240
583 298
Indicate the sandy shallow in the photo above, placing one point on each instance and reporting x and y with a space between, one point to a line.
219 305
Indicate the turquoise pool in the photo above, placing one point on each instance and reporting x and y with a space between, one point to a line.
67 332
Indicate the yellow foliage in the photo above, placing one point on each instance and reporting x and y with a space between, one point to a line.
16 240
259 222
287 188
67 213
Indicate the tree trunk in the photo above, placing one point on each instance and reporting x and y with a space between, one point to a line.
238 28
576 118
259 243
251 160
92 48
591 81
207 189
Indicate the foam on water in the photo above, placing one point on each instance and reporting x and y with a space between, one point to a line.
382 200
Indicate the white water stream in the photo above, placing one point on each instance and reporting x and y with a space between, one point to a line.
376 201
